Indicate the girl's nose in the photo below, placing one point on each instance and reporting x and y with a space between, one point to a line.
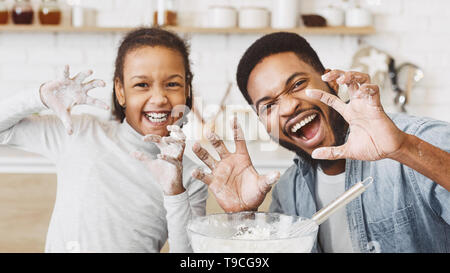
158 97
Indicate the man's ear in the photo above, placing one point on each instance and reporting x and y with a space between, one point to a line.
120 94
333 84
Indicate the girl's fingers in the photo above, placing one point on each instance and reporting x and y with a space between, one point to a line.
329 153
218 144
80 77
327 98
176 132
96 102
241 146
169 159
66 74
93 84
204 156
64 116
199 174
140 156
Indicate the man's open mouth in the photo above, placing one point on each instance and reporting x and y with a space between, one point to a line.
305 127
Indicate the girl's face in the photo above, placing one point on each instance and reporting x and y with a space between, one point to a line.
154 89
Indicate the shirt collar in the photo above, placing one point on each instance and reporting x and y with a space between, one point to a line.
131 136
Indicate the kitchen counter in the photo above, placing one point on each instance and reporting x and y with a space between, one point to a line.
17 161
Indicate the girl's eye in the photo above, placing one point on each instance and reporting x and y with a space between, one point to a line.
173 84
142 85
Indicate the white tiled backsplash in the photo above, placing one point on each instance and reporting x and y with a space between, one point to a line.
413 31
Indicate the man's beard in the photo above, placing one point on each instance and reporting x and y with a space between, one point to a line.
339 128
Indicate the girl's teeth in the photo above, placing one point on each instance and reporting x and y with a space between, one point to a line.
303 123
157 117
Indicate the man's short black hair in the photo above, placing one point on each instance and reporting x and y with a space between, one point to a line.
271 44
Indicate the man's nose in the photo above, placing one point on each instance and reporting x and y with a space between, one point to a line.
288 106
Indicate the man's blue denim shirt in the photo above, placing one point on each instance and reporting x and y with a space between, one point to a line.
402 211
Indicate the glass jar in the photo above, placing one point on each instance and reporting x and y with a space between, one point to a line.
4 14
22 12
166 13
50 13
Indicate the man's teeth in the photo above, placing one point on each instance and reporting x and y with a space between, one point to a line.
157 117
303 122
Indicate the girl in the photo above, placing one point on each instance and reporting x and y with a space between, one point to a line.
106 200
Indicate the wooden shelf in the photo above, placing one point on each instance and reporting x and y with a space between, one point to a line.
300 30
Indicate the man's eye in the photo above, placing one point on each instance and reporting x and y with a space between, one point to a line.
266 107
142 85
298 84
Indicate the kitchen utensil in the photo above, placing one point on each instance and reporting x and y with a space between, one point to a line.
248 232
358 17
222 17
333 15
374 62
309 225
253 17
408 75
285 13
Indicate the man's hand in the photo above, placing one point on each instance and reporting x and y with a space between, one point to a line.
233 179
373 135
62 95
168 166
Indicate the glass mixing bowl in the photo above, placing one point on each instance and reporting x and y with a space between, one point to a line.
248 232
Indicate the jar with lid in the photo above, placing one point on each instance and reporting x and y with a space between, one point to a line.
4 14
50 13
22 12
166 13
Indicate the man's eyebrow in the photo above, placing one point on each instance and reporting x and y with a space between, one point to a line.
288 81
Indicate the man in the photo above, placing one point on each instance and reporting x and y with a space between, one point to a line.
406 209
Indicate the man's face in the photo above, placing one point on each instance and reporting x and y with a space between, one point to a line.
277 87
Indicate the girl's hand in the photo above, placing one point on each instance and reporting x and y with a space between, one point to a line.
62 95
168 166
373 135
233 180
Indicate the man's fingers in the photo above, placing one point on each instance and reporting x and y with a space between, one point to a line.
218 144
329 153
332 75
238 134
328 99
204 156
96 102
268 180
372 93
199 174
80 77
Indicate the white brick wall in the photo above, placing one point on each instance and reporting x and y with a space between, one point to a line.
409 30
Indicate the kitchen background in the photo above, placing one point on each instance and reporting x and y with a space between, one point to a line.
408 31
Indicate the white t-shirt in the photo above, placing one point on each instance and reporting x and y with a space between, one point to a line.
334 235
106 200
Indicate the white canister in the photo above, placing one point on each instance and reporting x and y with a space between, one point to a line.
358 17
285 13
222 17
334 16
251 17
